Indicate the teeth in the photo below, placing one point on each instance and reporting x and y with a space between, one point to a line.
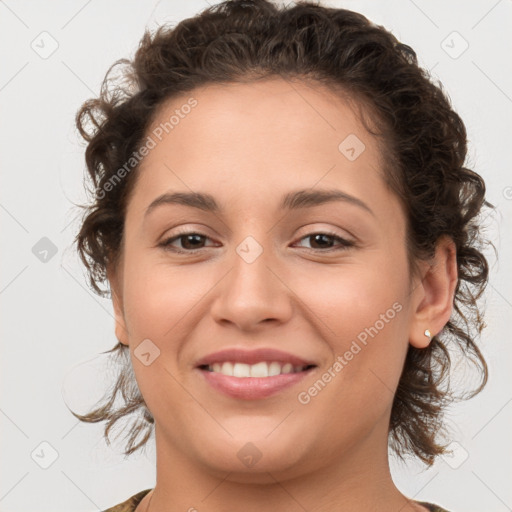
241 370
262 369
274 369
258 370
227 368
287 368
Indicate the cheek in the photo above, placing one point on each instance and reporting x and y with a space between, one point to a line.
158 296
349 299
360 313
161 304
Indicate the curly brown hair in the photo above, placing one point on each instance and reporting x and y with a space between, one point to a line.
423 139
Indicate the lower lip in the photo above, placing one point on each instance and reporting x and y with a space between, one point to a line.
252 388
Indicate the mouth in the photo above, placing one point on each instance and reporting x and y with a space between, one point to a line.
262 369
252 374
253 381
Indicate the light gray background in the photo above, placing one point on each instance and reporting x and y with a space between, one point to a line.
53 327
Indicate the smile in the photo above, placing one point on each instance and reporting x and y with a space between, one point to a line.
253 382
262 370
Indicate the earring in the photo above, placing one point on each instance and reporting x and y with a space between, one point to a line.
427 334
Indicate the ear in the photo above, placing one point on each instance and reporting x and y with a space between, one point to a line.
433 296
117 302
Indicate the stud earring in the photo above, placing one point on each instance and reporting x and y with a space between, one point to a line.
427 334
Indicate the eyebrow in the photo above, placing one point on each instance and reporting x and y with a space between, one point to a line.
291 201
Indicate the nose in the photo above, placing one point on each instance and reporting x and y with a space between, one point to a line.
252 293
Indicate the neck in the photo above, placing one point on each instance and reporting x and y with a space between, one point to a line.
358 479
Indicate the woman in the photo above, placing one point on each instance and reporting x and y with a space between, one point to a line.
284 220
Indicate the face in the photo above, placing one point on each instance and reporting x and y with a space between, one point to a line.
325 281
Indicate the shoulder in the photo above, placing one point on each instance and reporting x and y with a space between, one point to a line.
431 507
130 504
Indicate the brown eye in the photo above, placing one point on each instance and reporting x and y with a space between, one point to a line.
324 242
190 242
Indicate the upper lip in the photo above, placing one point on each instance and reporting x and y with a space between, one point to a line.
237 355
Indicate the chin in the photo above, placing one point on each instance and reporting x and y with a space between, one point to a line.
252 461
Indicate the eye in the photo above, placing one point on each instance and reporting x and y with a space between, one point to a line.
190 240
324 240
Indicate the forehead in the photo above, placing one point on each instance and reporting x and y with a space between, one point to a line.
259 137
274 114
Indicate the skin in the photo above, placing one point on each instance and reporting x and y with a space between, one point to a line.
248 145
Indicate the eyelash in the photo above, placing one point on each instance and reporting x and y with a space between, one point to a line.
344 244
